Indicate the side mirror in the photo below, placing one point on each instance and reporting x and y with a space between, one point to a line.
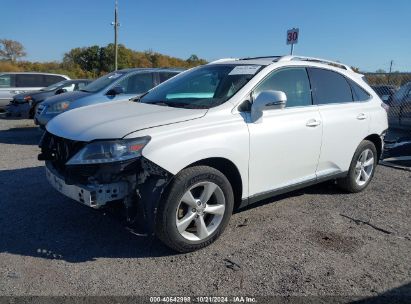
115 91
267 100
60 91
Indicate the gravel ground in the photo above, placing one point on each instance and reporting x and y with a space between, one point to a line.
316 241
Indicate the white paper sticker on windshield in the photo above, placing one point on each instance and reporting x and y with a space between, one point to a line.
245 70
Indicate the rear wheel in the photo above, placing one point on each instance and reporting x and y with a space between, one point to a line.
196 210
31 112
361 169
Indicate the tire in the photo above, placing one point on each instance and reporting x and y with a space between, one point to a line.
356 180
179 209
31 112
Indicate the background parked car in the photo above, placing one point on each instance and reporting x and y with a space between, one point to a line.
399 115
20 82
24 104
118 85
385 92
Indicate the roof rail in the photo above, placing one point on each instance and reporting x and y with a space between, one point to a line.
223 59
274 57
319 60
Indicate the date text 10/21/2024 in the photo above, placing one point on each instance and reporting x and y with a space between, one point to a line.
206 299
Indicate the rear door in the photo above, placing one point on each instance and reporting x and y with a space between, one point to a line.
345 119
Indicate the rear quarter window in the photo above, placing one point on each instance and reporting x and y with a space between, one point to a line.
7 81
358 93
329 87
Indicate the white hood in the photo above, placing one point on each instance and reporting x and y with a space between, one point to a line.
114 120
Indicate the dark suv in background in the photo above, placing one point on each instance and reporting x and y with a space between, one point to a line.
399 115
385 92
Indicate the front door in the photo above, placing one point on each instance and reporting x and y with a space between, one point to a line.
285 145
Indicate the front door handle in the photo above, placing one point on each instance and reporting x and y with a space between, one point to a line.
313 123
361 116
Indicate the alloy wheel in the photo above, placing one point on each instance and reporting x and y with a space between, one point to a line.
200 211
364 167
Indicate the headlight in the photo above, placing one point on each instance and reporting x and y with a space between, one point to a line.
58 107
17 92
109 151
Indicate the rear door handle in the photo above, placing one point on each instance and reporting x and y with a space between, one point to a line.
313 123
361 116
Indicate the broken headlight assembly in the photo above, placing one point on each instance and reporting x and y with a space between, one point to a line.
99 152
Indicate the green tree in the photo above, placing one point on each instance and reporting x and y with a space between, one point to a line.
87 58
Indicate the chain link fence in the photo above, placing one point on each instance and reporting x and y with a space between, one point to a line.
395 91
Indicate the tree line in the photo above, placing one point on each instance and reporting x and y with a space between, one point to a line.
91 61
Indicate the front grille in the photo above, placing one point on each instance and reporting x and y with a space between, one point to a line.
59 150
40 109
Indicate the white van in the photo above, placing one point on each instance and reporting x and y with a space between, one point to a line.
19 82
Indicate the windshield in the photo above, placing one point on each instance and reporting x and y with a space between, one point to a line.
55 86
103 82
202 88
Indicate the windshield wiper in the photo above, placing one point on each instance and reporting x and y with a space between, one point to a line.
159 103
138 98
186 105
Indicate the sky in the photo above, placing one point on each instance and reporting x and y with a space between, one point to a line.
364 33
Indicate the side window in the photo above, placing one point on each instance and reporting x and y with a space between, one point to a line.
137 83
358 93
69 87
293 82
51 79
80 86
166 75
29 80
329 87
7 81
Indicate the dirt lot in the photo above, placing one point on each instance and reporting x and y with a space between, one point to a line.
316 241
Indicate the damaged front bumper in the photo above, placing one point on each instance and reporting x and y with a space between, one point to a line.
137 185
95 195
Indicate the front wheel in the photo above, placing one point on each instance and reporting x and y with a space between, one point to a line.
361 169
196 210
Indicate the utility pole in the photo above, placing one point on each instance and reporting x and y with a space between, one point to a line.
116 25
389 74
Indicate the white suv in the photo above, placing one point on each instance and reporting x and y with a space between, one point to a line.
217 137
